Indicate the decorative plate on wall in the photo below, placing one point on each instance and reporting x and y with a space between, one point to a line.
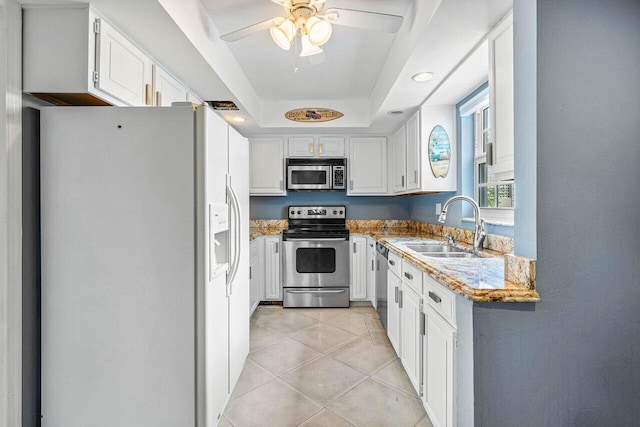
439 152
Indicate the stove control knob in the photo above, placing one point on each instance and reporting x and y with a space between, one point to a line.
293 212
341 212
299 212
335 212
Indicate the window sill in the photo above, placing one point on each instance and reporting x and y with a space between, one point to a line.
499 222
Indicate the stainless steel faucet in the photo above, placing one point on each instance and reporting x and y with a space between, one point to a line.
480 232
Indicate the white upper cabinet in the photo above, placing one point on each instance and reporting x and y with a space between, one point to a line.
301 146
267 167
62 59
309 146
413 153
123 70
399 160
71 56
501 98
330 146
367 168
166 89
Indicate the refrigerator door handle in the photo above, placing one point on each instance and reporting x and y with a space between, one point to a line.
235 229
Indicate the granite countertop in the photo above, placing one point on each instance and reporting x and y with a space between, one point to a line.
477 279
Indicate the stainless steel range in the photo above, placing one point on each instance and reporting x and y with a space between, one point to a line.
316 257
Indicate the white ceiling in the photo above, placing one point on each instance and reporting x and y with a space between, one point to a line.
365 73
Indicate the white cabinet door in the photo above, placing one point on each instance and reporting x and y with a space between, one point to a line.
501 98
166 89
124 71
330 146
254 275
267 167
413 152
301 146
358 268
273 287
399 160
394 286
410 304
371 271
439 359
367 168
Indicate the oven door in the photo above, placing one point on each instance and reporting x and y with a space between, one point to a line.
310 263
311 177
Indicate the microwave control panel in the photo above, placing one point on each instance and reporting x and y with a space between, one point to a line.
338 178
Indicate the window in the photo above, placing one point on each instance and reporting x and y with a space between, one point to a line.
495 198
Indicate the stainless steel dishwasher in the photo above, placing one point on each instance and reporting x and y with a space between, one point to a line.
382 255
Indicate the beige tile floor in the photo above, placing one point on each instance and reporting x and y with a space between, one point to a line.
322 367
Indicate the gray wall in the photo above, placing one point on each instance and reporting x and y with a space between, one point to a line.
357 207
573 359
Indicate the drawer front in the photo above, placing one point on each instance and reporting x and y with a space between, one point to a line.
440 298
412 276
395 264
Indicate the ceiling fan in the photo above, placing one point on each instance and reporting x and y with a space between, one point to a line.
309 20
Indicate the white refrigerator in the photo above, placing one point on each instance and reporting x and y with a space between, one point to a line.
145 269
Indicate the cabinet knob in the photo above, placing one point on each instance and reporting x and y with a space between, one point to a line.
311 148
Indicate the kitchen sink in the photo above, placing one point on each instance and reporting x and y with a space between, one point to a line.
441 251
452 255
424 249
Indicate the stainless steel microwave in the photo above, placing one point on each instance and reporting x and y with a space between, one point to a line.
316 174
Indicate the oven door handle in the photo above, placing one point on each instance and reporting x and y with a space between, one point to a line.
324 239
320 291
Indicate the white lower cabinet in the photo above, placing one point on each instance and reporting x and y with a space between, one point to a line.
371 271
256 276
358 267
410 337
394 287
439 359
272 277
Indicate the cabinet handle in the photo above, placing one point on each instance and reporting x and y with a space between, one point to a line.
415 176
377 265
402 185
392 262
158 99
350 184
148 94
396 300
354 247
372 269
401 293
311 148
276 247
282 184
423 321
250 273
408 276
435 297
319 148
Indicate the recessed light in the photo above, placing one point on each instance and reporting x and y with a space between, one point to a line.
238 119
422 77
395 112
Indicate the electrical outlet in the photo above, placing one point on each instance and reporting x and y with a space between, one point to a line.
438 208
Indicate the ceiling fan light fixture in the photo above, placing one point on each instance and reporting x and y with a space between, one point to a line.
283 34
309 49
319 31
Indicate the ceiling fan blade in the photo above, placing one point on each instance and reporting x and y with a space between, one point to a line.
362 19
251 29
